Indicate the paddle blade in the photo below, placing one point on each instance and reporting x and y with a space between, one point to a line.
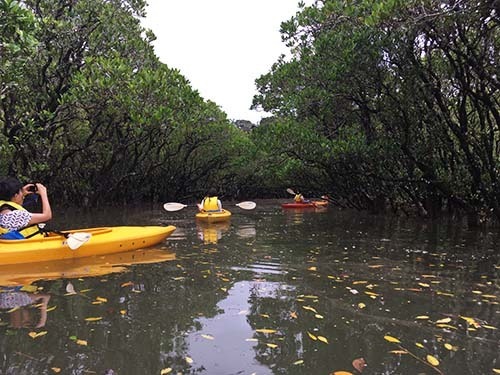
290 191
173 206
248 205
75 240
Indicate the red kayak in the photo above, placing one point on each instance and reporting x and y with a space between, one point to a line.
312 204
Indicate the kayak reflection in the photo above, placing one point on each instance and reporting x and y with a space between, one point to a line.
26 273
211 233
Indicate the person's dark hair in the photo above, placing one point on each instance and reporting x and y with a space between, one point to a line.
9 186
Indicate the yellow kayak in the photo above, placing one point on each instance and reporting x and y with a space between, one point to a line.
212 217
25 274
106 240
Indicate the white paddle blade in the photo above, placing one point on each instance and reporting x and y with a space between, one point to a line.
248 205
173 206
290 191
75 240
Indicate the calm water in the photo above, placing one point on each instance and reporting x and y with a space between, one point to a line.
271 292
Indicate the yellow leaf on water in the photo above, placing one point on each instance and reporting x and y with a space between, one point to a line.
489 296
310 309
166 371
299 362
445 320
313 268
81 342
376 266
398 352
312 336
265 330
323 339
123 312
421 317
318 316
128 283
424 285
392 339
419 345
445 294
273 346
93 318
34 335
208 337
52 308
432 360
496 371
342 373
448 326
489 327
189 360
361 305
101 299
56 369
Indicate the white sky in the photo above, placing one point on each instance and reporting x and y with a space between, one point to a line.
221 46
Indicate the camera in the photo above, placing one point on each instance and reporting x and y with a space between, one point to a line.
33 188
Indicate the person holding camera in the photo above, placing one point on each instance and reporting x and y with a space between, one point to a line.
15 221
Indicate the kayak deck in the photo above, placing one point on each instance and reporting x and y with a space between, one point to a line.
105 240
312 204
213 217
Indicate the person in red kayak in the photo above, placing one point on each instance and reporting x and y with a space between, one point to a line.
299 198
15 221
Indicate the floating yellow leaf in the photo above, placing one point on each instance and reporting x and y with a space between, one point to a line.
56 369
166 371
93 318
81 342
445 320
392 339
34 335
128 283
424 285
398 352
489 296
313 268
419 345
432 360
208 337
52 308
299 362
101 299
309 308
421 317
361 305
318 316
323 339
273 346
293 315
489 327
376 266
359 282
342 373
312 336
123 312
445 294
447 326
470 321
189 360
265 330
496 371
264 315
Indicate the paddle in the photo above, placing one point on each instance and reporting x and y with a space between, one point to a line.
73 240
173 206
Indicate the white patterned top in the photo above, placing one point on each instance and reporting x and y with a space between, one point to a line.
15 220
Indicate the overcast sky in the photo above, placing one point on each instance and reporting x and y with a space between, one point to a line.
221 46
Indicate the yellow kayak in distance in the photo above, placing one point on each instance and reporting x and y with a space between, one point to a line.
213 217
99 265
105 240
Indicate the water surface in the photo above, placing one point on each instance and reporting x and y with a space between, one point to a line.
271 292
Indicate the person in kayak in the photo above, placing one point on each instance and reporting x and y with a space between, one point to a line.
210 203
15 221
299 198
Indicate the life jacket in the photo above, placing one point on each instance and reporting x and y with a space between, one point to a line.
298 198
210 204
26 232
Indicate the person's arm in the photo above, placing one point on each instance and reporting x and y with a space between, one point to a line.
44 300
46 213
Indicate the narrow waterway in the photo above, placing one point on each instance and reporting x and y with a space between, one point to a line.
272 291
